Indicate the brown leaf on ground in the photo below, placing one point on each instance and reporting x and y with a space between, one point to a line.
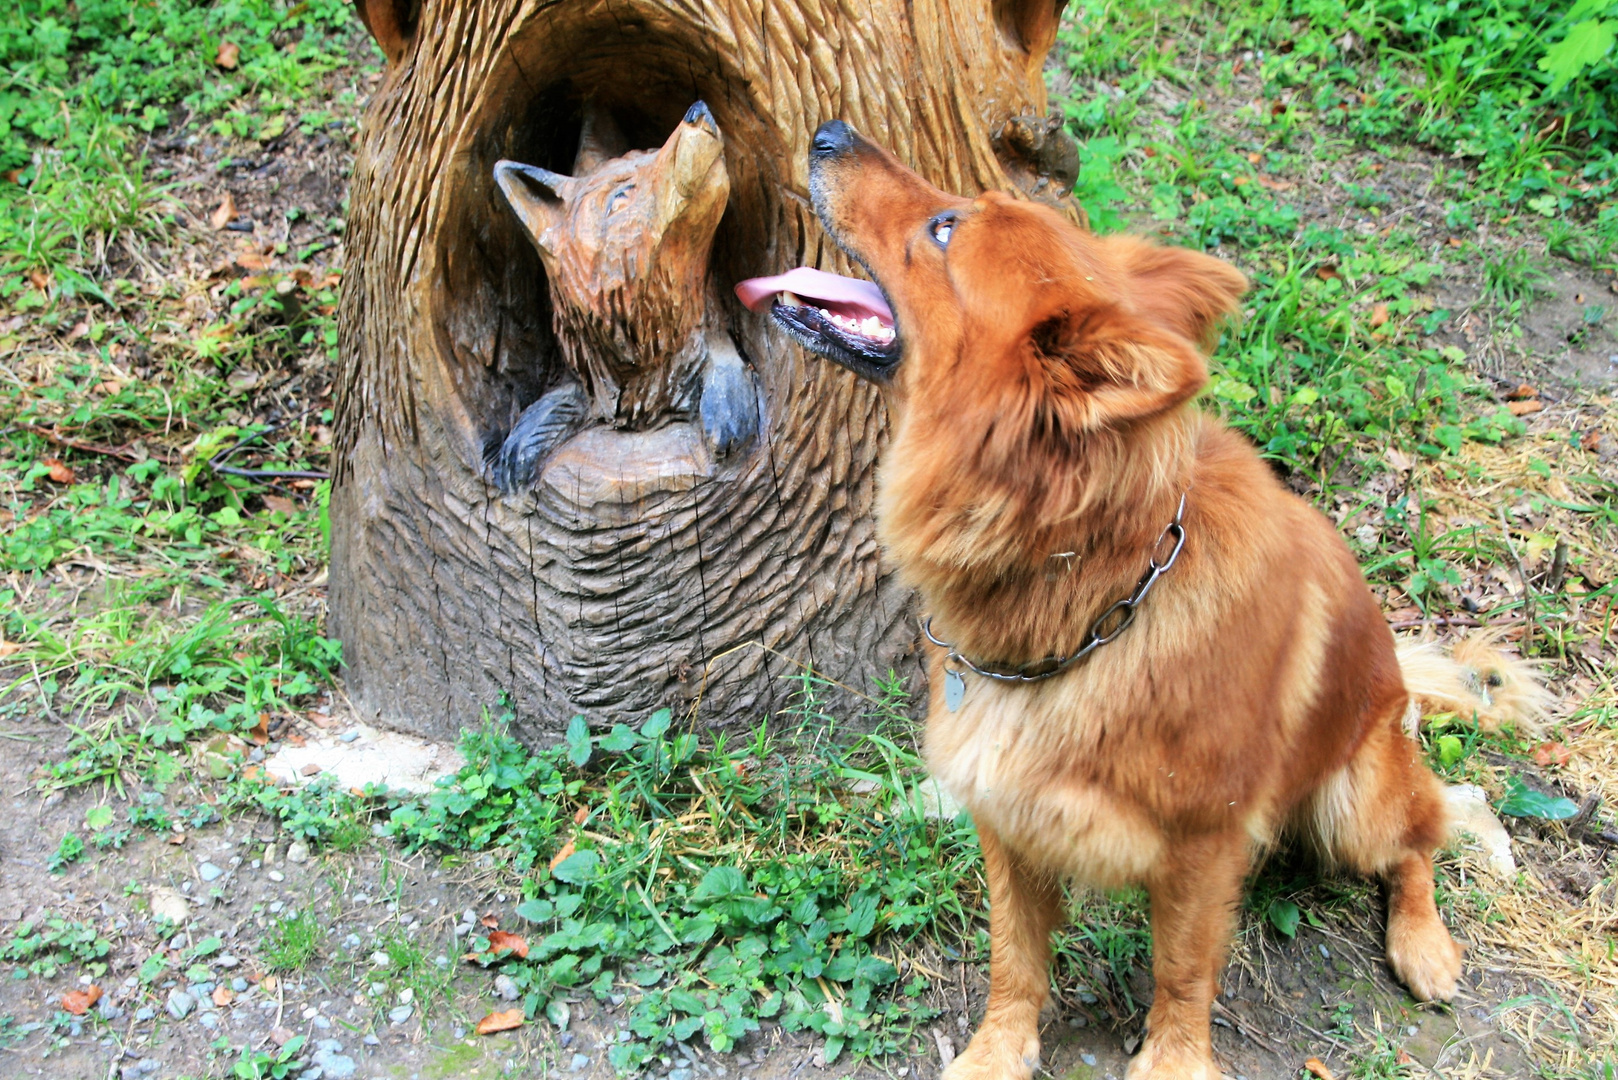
489 920
280 504
310 769
1317 1068
228 56
40 280
1522 392
260 732
223 995
1326 273
9 647
581 815
225 214
1551 753
280 1036
1275 185
1379 315
560 856
500 1021
506 941
78 1002
1524 408
60 472
252 261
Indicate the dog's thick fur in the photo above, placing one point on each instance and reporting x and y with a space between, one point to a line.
1042 436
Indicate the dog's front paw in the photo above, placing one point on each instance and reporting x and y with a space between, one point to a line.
1423 955
997 1053
1159 1061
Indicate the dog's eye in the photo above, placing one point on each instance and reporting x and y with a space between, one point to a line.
942 226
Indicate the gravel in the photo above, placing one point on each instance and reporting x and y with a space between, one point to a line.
209 872
400 1013
181 1004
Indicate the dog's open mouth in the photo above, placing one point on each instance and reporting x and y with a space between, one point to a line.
841 318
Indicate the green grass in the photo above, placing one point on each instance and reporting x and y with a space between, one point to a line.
292 941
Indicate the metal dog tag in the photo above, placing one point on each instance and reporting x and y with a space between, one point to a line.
954 689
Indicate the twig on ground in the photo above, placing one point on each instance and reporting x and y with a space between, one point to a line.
1522 577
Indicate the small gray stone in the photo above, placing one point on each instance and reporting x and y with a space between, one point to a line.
238 984
209 1020
334 1065
679 1074
1088 1059
371 1040
209 872
400 1013
297 852
226 961
506 987
566 1040
144 1013
579 1063
108 1010
349 736
321 1022
181 1004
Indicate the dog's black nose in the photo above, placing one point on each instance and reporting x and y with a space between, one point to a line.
831 139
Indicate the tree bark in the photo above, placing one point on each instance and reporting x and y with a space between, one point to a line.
639 569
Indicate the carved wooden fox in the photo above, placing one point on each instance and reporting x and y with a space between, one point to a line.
625 243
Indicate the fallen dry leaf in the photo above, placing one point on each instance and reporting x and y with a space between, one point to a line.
560 856
1523 392
1551 753
228 56
1592 441
489 920
223 995
252 260
1524 408
9 647
310 769
1317 1068
1275 185
1326 273
500 1021
78 1002
260 732
60 472
225 214
1379 315
1398 460
40 280
280 504
581 815
506 941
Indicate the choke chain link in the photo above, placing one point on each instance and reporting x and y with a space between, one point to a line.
1099 633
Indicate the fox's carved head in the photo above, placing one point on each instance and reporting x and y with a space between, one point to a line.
625 243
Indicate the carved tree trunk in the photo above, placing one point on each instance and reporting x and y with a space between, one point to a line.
634 570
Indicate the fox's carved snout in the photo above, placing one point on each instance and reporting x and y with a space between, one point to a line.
625 242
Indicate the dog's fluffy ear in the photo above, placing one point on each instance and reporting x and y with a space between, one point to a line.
1187 291
1141 354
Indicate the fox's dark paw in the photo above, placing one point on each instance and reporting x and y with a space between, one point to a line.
542 427
729 407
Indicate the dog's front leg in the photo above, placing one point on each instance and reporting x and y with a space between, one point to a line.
1024 906
1194 891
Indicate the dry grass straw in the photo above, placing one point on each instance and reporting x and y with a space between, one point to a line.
1557 923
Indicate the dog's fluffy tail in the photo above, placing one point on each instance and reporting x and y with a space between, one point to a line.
1476 681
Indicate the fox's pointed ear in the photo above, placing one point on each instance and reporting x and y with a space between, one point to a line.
1187 291
600 139
537 197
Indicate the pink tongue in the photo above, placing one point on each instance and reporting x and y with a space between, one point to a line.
829 289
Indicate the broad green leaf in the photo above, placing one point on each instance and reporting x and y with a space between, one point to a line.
578 742
721 882
657 724
1450 749
98 817
537 910
620 738
579 868
1585 44
1523 801
1283 915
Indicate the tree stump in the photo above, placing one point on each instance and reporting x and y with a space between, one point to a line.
627 555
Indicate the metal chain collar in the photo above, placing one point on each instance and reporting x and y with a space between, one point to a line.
1099 634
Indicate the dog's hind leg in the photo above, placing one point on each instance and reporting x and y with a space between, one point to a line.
1024 907
1383 814
1195 891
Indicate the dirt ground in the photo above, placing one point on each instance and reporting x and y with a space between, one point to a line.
1283 1002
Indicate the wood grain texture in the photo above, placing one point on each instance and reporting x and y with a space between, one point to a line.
636 560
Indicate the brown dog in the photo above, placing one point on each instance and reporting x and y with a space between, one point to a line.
1040 385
